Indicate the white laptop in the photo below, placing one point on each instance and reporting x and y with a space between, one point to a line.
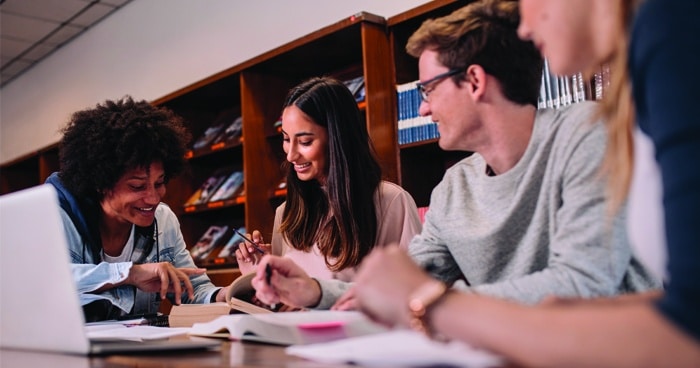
39 304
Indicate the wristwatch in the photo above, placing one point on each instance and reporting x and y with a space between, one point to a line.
421 300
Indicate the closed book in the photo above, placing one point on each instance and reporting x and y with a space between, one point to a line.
185 315
238 300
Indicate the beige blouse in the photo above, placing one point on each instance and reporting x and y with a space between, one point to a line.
398 222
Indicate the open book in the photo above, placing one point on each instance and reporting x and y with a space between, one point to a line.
238 300
289 328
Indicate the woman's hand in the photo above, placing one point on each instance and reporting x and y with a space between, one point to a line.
221 295
287 283
346 301
163 277
246 254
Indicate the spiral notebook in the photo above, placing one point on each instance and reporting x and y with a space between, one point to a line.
39 307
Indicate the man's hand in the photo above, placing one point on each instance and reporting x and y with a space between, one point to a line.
384 283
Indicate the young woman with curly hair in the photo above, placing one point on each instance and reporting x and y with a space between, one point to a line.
126 247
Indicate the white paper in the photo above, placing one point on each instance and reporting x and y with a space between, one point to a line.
134 333
396 348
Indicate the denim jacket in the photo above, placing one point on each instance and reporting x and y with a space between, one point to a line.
91 275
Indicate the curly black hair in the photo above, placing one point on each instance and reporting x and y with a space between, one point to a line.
100 144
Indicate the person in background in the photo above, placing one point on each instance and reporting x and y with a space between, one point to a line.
520 219
652 50
126 247
338 208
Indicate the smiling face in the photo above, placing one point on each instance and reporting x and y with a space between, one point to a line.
449 104
135 196
306 145
574 35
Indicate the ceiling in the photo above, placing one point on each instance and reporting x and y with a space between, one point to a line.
31 30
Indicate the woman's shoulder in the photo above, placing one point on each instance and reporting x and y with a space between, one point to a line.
165 215
389 188
280 209
389 192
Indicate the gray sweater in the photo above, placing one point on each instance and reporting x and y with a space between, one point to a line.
538 229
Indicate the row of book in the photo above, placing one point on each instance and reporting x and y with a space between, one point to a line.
555 91
218 242
226 130
558 91
220 186
411 126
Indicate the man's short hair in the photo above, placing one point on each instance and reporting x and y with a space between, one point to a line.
484 33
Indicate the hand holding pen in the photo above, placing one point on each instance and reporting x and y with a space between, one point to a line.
281 280
250 251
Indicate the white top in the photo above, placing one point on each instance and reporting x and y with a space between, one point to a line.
645 221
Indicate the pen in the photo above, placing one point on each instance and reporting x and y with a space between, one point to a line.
249 241
268 275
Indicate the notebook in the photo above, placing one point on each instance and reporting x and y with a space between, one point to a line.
39 305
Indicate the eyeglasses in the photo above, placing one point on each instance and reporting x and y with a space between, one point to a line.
422 86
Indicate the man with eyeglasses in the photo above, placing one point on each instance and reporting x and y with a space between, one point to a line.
524 217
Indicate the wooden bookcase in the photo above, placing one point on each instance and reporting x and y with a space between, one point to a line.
360 45
255 89
422 164
29 170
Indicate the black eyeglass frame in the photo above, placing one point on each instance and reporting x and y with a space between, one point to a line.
422 85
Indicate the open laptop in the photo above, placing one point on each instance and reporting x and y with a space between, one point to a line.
39 304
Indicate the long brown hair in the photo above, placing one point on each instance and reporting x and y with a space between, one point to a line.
341 218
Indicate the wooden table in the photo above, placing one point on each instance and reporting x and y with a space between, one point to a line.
230 354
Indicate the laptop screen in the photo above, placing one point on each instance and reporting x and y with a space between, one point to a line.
39 307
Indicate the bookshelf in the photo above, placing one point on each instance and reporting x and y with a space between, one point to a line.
422 164
29 170
361 44
255 89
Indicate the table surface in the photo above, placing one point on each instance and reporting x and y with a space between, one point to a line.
230 354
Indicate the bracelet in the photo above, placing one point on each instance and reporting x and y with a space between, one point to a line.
421 300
